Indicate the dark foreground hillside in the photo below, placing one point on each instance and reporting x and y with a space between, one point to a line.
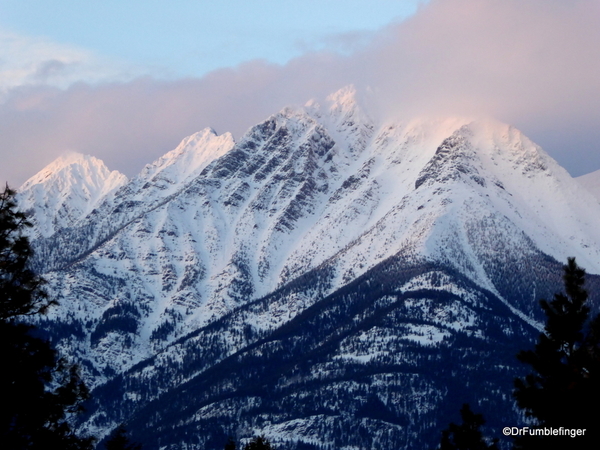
370 366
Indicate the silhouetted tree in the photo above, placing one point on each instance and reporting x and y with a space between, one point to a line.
258 443
565 379
466 436
32 415
119 441
20 288
230 445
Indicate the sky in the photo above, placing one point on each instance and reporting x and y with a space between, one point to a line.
126 80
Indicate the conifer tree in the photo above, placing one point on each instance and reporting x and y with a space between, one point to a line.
258 443
563 389
230 444
32 415
119 440
20 289
466 436
565 381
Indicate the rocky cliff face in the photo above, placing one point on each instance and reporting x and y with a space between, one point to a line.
326 280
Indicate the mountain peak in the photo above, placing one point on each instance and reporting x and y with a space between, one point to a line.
189 158
347 119
68 162
344 98
504 146
66 190
381 239
346 105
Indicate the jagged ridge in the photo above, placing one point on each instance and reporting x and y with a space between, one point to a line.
306 203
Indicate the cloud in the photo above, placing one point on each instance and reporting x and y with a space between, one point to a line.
27 60
533 63
49 69
130 124
506 57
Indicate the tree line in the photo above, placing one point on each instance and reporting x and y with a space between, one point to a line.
42 391
561 394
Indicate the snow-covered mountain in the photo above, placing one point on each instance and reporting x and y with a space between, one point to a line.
434 236
591 182
66 191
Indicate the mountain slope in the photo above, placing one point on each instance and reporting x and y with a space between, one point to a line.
364 366
591 182
321 242
66 191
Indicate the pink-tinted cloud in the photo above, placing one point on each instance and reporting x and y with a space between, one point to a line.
532 63
503 57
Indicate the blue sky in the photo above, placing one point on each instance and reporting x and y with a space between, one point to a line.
126 80
180 38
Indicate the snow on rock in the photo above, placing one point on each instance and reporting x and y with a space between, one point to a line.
194 153
215 224
67 190
591 182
